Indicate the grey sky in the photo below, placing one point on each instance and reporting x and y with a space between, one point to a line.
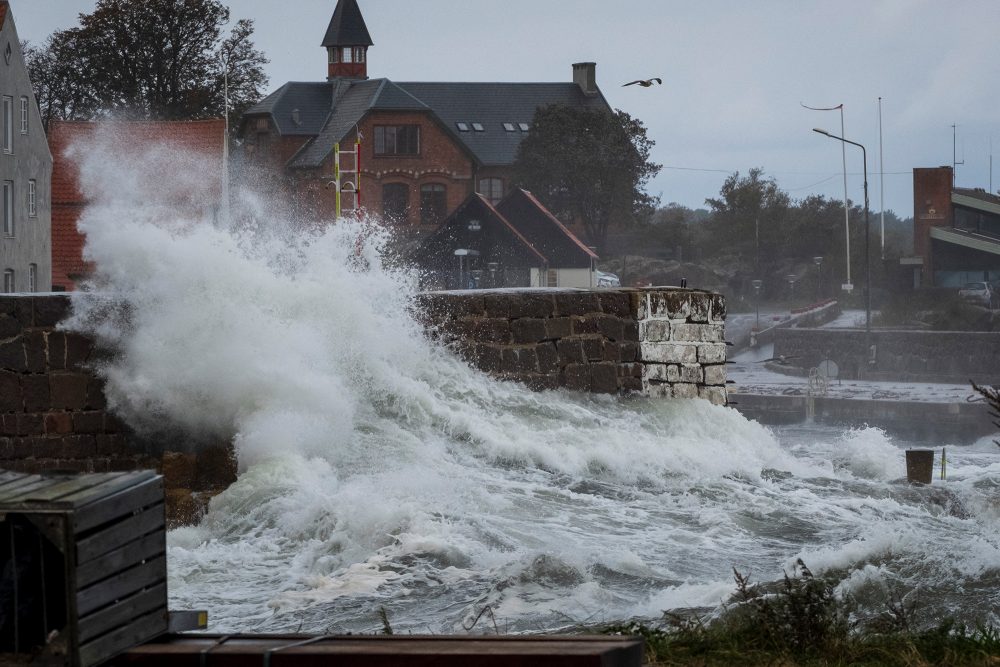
733 74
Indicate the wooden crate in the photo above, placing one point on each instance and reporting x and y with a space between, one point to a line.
83 571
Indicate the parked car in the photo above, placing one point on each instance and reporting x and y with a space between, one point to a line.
605 279
981 293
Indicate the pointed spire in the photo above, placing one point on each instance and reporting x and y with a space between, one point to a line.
347 27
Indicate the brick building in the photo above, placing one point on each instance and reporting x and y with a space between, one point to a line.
203 138
425 146
956 231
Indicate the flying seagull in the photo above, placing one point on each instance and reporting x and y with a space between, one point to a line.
645 83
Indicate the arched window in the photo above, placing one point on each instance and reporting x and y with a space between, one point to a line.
396 202
491 188
433 203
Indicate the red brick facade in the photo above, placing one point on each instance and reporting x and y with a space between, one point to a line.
931 208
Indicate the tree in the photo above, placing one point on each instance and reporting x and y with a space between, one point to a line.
147 59
589 166
749 216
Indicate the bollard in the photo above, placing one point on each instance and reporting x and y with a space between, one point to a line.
919 465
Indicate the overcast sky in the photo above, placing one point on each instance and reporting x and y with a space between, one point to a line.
734 74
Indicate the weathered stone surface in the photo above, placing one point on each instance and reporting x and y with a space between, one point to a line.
55 350
631 331
612 351
537 381
717 309
34 351
215 466
68 390
8 423
548 358
702 333
528 330
12 356
50 310
112 444
91 421
631 384
668 353
30 423
96 400
611 327
716 395
570 351
499 305
712 353
577 377
78 350
519 360
585 326
654 331
604 378
486 357
536 305
659 390
9 327
112 424
715 375
593 348
558 327
491 330
691 373
178 469
577 303
629 351
58 423
11 396
615 303
682 390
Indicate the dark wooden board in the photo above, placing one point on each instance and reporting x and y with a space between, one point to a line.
121 585
144 628
144 548
121 613
118 504
110 538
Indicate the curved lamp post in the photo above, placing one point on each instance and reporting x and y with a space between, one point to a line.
868 270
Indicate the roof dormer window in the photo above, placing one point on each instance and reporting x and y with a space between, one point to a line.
478 127
523 127
462 127
333 54
509 127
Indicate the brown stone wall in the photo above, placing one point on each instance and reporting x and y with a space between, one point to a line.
54 415
656 342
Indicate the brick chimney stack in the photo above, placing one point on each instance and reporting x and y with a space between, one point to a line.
585 76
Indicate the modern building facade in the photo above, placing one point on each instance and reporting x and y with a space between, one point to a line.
956 231
424 146
25 173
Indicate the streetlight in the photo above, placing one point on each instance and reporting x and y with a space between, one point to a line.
757 284
868 270
819 277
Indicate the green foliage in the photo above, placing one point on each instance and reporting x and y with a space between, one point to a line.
147 59
801 622
588 165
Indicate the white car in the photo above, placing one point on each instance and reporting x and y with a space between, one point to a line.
605 279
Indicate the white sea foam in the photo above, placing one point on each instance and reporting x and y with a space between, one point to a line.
377 470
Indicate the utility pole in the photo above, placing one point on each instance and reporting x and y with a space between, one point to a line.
954 162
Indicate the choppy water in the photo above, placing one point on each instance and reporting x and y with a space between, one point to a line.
377 471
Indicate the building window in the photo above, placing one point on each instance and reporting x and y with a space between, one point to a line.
24 115
396 202
509 127
523 127
359 54
8 281
492 189
8 124
433 203
397 140
8 208
462 127
333 54
552 278
7 52
32 277
478 127
348 52
32 197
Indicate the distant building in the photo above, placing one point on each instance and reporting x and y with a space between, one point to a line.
956 231
203 137
426 146
25 173
517 243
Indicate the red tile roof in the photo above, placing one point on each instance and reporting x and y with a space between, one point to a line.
4 6
204 137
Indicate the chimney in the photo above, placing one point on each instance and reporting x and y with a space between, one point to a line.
584 75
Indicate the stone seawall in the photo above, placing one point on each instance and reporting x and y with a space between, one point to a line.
54 414
661 342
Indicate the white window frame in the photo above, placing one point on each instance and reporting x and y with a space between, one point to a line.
8 281
8 124
32 198
24 115
32 277
348 55
8 208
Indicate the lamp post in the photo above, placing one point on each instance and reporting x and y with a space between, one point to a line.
868 270
757 284
819 277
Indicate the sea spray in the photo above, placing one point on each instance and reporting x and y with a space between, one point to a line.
378 471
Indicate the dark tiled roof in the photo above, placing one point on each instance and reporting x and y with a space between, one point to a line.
347 26
312 100
361 97
550 237
492 105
